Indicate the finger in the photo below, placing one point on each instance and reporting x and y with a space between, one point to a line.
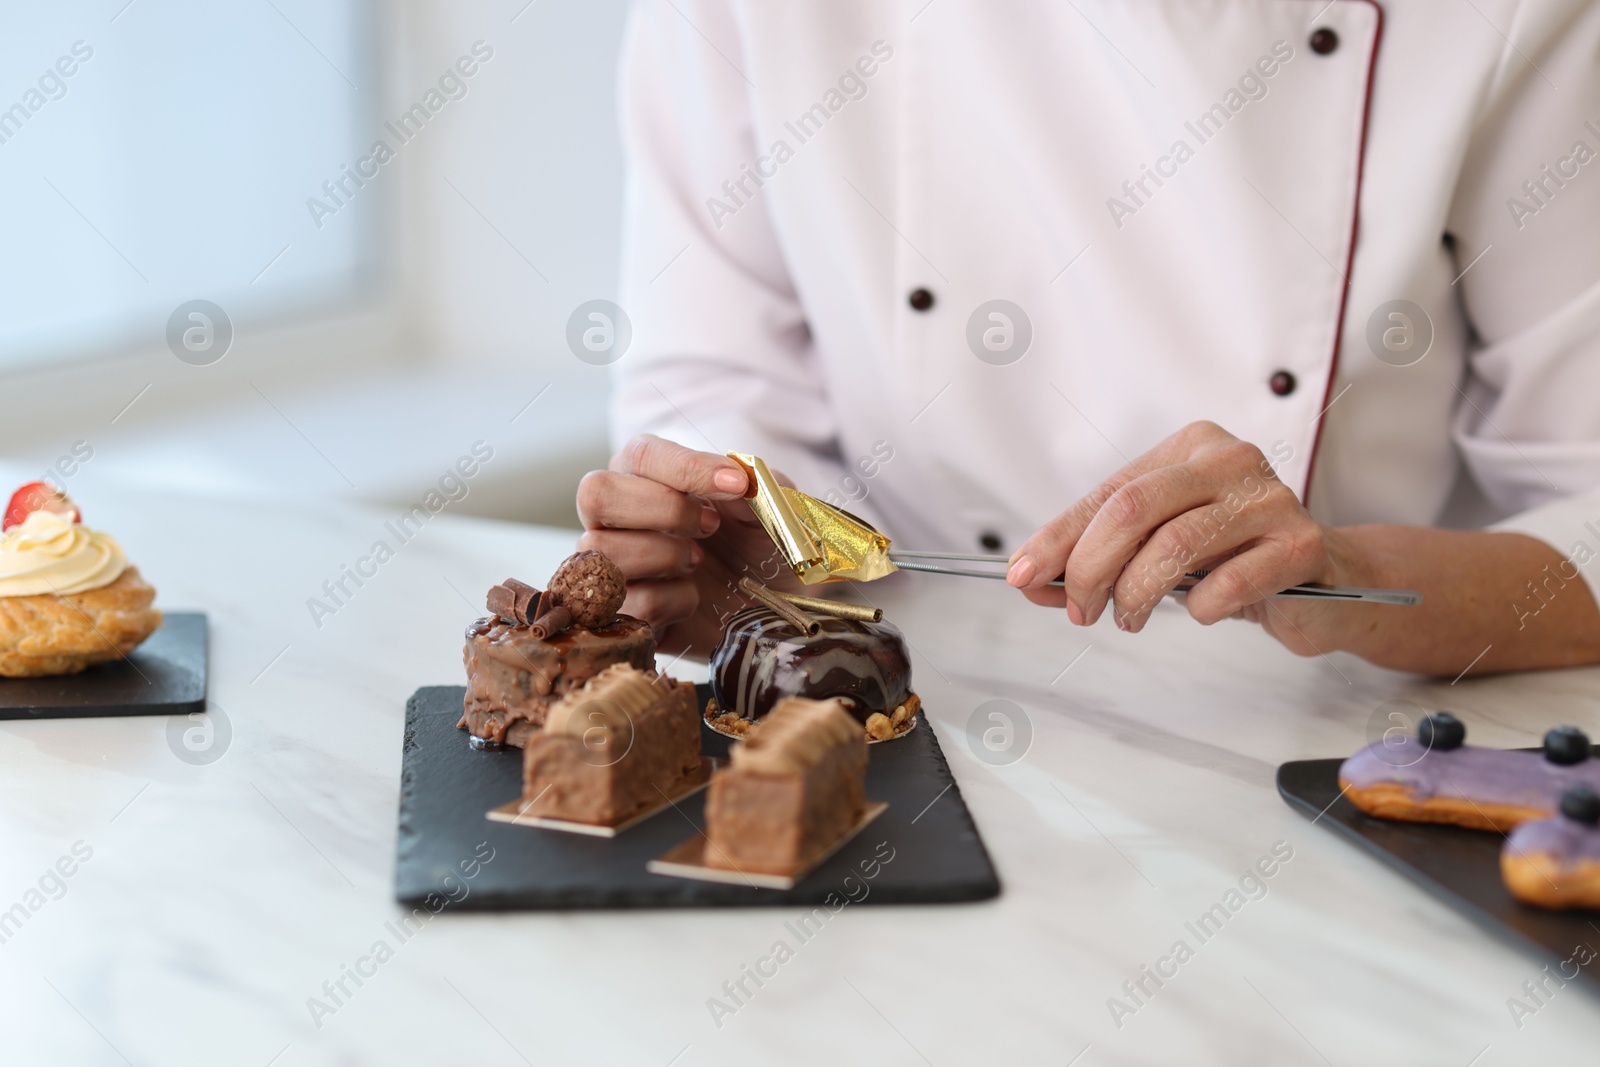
1042 557
760 562
1256 613
607 499
1129 518
1197 538
1227 472
1249 579
644 554
736 513
661 603
1047 596
738 509
741 539
704 474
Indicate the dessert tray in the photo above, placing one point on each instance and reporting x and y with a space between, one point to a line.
923 849
166 675
1460 867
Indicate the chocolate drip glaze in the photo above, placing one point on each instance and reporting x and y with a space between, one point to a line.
513 677
763 658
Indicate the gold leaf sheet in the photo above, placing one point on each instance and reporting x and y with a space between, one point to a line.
819 542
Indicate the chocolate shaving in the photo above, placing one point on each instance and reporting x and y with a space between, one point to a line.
527 606
502 602
551 623
787 611
515 602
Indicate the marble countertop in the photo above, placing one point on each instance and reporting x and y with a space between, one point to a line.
218 897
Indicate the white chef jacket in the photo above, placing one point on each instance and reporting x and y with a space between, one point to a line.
1440 154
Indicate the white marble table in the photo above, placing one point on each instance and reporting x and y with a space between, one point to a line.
219 897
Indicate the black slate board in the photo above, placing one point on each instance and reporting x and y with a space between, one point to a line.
164 676
446 787
1461 867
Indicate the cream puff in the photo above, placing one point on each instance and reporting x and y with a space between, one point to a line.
68 598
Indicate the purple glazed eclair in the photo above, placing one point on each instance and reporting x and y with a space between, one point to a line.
1435 777
1555 863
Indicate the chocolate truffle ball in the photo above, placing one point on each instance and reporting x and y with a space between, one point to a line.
590 586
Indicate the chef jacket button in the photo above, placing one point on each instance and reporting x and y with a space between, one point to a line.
1282 383
1323 40
920 300
990 541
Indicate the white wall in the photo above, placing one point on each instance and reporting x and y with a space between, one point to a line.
535 149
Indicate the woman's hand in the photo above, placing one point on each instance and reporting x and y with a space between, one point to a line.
676 522
1200 499
1491 601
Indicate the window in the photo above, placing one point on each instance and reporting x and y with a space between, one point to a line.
166 152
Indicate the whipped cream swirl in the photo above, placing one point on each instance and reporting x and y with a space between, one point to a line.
49 554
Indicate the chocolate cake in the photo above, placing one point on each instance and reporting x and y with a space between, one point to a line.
535 647
793 787
624 742
764 658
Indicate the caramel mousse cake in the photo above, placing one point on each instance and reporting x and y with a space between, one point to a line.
620 745
68 597
764 658
793 787
537 646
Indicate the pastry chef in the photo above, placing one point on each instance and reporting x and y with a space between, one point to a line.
1297 290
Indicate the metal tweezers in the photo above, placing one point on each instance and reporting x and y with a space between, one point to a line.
903 560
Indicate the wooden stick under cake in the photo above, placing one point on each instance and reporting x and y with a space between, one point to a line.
790 614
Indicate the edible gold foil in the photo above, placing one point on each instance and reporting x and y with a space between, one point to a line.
776 515
819 542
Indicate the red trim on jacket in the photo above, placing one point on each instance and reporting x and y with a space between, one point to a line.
1355 231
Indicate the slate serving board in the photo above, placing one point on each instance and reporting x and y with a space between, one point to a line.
164 676
1460 867
446 787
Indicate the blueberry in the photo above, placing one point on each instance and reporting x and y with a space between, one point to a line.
1581 804
1442 731
1566 744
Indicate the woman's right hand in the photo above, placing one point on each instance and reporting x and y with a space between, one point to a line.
676 522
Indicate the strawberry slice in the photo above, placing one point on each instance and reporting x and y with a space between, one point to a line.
38 496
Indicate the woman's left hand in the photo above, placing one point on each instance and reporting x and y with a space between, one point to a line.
1202 498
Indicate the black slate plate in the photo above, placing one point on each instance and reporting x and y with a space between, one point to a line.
164 676
446 787
1461 867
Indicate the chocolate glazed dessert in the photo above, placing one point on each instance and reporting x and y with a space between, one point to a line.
764 658
535 647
